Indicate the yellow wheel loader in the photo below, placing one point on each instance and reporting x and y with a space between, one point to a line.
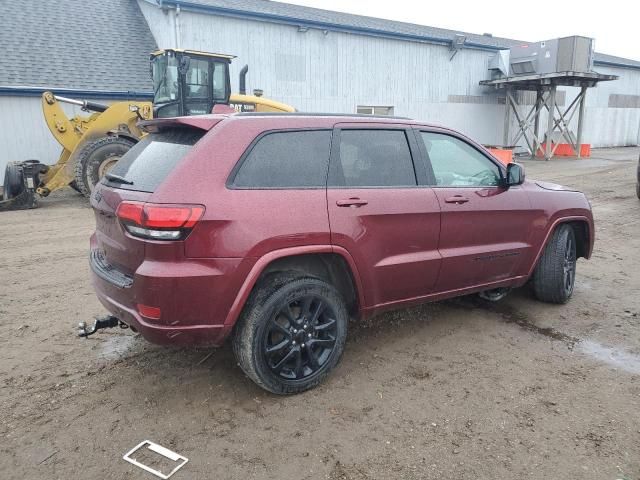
185 82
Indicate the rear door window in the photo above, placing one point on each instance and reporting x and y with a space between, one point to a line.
150 161
373 158
291 159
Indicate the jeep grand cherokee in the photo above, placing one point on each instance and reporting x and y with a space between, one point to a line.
275 229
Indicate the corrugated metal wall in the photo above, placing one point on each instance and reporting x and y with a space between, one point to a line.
23 132
338 71
335 72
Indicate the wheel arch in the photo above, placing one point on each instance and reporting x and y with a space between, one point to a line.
583 230
332 264
125 135
582 233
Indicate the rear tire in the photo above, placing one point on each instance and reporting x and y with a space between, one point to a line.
97 158
555 275
291 334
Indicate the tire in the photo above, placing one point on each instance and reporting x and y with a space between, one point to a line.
274 319
74 186
555 275
13 181
96 158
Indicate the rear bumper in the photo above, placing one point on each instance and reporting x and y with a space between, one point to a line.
194 297
193 335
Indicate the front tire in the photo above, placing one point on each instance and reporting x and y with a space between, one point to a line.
555 275
291 333
96 159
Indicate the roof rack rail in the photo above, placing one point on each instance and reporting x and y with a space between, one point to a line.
317 114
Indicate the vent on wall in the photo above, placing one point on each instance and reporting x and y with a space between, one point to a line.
617 100
371 110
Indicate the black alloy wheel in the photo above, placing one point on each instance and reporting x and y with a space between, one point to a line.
569 265
291 333
300 338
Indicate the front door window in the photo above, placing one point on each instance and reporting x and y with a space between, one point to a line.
457 164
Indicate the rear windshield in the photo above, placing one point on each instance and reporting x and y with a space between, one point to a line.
148 163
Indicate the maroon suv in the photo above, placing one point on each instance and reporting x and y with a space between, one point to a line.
275 229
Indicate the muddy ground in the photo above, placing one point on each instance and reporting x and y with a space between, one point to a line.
459 389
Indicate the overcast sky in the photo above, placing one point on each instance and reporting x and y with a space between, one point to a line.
615 24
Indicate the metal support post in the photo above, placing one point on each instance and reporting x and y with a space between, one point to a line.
583 95
551 101
507 119
536 125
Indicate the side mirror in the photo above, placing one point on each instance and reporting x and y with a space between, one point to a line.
515 174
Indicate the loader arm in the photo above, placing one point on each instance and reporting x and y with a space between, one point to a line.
67 131
74 133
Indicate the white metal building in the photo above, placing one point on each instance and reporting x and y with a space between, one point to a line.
317 60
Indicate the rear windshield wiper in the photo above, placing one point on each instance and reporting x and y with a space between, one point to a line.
118 179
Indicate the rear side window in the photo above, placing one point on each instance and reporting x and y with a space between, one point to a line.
286 160
373 158
151 160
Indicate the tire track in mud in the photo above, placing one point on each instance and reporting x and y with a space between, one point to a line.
510 314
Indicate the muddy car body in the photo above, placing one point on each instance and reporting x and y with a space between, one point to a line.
221 225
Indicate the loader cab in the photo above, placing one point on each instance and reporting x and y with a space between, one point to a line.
187 82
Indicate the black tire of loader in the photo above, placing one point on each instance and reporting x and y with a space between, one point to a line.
26 199
93 155
74 186
13 181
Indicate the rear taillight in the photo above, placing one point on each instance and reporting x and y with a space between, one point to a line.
157 221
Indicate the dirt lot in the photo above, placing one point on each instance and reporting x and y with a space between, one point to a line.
459 389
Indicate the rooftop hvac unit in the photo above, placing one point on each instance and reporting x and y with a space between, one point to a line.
568 54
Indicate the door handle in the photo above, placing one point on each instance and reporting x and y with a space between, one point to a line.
352 202
459 199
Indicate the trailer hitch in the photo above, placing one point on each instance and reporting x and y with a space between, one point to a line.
108 321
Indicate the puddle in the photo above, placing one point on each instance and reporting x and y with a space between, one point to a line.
116 346
613 357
